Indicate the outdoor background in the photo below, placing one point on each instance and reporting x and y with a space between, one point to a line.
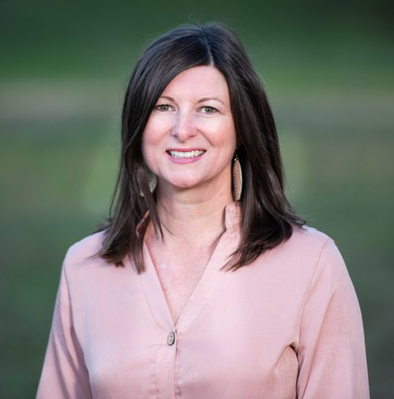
328 67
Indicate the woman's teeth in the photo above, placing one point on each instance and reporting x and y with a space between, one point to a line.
186 154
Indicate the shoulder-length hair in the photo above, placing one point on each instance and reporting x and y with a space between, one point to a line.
266 216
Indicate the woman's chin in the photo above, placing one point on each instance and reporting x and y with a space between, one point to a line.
182 184
185 185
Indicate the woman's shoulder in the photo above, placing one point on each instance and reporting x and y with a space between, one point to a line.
85 249
308 237
307 255
316 249
308 246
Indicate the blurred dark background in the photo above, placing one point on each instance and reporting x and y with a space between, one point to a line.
328 69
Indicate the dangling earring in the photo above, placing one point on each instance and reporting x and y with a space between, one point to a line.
152 182
237 178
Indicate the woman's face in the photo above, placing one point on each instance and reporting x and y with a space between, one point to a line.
190 138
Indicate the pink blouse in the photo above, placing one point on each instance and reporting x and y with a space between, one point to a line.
286 326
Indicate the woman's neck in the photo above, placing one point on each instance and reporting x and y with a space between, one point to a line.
190 218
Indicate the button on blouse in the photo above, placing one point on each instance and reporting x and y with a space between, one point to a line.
171 338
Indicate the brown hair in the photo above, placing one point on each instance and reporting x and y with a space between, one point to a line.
267 218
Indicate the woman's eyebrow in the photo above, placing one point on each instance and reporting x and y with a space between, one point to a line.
210 98
167 98
199 101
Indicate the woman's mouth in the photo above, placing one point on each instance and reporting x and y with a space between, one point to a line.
185 156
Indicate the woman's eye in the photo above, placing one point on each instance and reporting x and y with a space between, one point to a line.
208 110
163 107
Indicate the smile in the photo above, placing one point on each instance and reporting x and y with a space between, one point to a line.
186 154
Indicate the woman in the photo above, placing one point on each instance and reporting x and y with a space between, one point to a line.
220 290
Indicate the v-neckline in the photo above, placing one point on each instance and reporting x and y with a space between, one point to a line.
202 290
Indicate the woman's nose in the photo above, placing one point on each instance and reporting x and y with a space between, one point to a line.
184 126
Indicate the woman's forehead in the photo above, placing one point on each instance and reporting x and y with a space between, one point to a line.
201 81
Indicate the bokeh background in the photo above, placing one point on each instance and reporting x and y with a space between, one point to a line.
328 67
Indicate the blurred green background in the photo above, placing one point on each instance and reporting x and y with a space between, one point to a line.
328 69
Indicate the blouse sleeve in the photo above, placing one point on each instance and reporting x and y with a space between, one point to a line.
64 373
331 349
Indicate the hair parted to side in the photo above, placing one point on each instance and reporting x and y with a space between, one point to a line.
267 218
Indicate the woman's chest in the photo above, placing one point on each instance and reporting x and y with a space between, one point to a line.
234 338
179 272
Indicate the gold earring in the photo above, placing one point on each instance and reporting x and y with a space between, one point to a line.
152 182
237 178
